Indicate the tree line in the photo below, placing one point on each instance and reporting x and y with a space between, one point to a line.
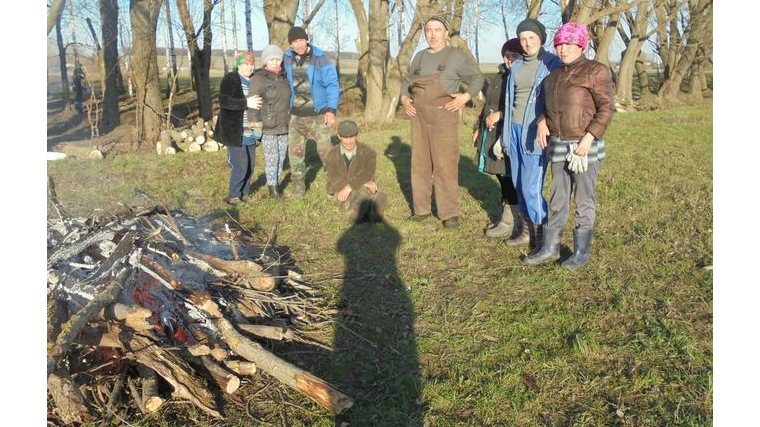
679 31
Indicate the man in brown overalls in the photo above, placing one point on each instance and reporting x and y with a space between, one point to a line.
432 95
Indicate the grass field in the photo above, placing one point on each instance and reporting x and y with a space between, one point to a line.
448 328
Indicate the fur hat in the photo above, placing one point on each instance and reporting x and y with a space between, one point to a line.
297 33
348 128
511 45
533 25
271 51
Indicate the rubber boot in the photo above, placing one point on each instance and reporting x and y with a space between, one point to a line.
299 188
526 231
581 243
536 239
506 223
274 193
549 250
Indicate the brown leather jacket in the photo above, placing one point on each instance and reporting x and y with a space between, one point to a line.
580 98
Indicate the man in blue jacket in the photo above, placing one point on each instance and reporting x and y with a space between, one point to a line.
314 101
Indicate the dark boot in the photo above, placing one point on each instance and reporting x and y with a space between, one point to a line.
299 188
274 193
549 250
581 243
536 239
525 227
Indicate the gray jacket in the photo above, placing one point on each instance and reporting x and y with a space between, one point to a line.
275 91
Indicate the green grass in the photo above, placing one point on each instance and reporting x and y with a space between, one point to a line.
455 330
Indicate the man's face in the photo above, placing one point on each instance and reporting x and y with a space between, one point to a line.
348 142
436 35
299 46
530 42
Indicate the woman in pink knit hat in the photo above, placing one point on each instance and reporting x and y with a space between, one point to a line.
579 108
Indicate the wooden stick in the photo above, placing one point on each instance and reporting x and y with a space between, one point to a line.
290 375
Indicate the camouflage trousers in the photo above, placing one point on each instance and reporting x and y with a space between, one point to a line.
301 130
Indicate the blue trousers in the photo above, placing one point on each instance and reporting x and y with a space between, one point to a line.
241 160
528 173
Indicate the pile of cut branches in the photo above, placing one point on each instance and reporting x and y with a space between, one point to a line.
150 305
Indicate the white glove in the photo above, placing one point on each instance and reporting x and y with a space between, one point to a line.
584 163
498 151
576 163
254 102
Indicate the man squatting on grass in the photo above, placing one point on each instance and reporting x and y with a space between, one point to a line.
351 169
432 96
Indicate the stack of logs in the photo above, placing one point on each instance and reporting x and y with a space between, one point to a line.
199 137
149 305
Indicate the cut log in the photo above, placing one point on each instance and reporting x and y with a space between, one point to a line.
251 273
272 332
171 368
242 367
76 323
225 379
200 139
289 374
210 146
193 147
149 397
135 317
70 403
164 142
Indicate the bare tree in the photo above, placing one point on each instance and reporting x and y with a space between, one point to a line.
144 18
200 63
281 17
697 32
54 14
378 49
66 94
109 24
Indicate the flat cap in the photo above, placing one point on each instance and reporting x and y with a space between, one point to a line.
348 128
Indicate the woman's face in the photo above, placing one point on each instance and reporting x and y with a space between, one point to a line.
568 52
273 63
510 57
436 35
530 42
245 69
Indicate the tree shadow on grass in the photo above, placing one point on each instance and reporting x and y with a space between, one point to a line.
375 360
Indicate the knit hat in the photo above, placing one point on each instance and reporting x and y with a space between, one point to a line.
348 128
572 33
438 18
297 33
244 58
532 25
511 45
271 51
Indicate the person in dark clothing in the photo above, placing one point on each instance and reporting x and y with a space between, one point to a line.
351 182
272 85
233 128
486 136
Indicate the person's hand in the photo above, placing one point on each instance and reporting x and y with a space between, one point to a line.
329 119
542 133
371 186
475 137
408 104
492 119
343 194
255 102
459 101
584 146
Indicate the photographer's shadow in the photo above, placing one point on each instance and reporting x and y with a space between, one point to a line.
375 360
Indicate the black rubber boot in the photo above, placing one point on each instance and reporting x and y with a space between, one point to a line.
581 243
549 251
274 193
523 237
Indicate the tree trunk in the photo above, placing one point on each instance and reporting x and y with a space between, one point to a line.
109 18
54 15
65 93
378 48
200 59
280 17
144 18
362 46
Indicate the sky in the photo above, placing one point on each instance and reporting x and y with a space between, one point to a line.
735 289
